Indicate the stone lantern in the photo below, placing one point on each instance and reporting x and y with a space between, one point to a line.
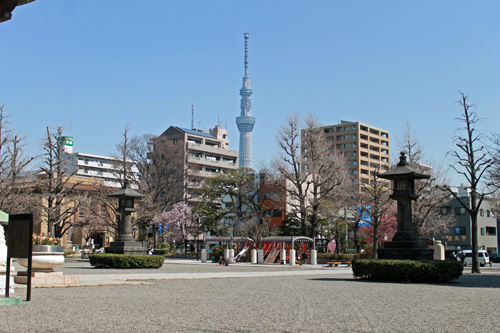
405 244
125 243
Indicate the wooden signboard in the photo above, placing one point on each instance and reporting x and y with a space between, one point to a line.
20 245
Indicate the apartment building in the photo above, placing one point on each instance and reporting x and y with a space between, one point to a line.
366 148
459 237
205 154
99 167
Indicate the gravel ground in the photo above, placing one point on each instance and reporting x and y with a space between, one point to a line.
310 303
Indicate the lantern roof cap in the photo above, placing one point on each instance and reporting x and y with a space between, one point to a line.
126 192
402 169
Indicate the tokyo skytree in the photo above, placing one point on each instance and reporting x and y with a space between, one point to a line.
245 121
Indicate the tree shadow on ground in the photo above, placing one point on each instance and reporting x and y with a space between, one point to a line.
465 281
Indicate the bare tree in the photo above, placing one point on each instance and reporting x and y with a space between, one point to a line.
427 218
102 214
289 164
377 204
326 168
56 186
124 164
15 190
473 162
315 171
163 176
494 173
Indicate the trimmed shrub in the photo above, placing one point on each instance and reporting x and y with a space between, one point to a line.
432 271
163 246
341 256
161 252
125 261
69 254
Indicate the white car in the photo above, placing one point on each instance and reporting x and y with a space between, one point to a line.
482 256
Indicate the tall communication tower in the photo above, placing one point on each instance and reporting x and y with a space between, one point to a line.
245 121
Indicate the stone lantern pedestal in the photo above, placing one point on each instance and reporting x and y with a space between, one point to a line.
125 243
405 244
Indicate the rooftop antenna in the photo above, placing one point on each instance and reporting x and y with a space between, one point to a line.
246 55
218 120
192 116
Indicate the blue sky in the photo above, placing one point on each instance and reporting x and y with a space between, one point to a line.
95 66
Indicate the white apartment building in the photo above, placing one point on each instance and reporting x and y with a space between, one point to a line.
99 167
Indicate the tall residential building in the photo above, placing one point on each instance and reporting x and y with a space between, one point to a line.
366 148
245 121
205 154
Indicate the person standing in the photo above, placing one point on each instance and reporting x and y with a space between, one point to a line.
304 257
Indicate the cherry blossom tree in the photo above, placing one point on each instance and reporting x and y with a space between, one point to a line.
178 222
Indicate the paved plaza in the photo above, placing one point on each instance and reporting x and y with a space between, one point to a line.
189 296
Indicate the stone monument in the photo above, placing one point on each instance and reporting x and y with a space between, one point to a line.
125 243
3 257
405 244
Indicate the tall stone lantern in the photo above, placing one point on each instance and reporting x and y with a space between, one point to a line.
405 244
125 243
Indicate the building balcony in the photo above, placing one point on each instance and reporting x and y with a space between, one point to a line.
94 164
212 163
213 149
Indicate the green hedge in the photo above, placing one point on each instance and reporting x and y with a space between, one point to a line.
125 261
161 252
433 271
341 256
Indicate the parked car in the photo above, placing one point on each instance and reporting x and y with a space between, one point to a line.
494 257
467 254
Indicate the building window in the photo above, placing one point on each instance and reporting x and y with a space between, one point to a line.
481 212
81 215
277 213
103 212
488 213
482 232
459 210
460 231
491 231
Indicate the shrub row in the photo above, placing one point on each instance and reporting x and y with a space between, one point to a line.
162 252
433 271
341 256
69 254
125 261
